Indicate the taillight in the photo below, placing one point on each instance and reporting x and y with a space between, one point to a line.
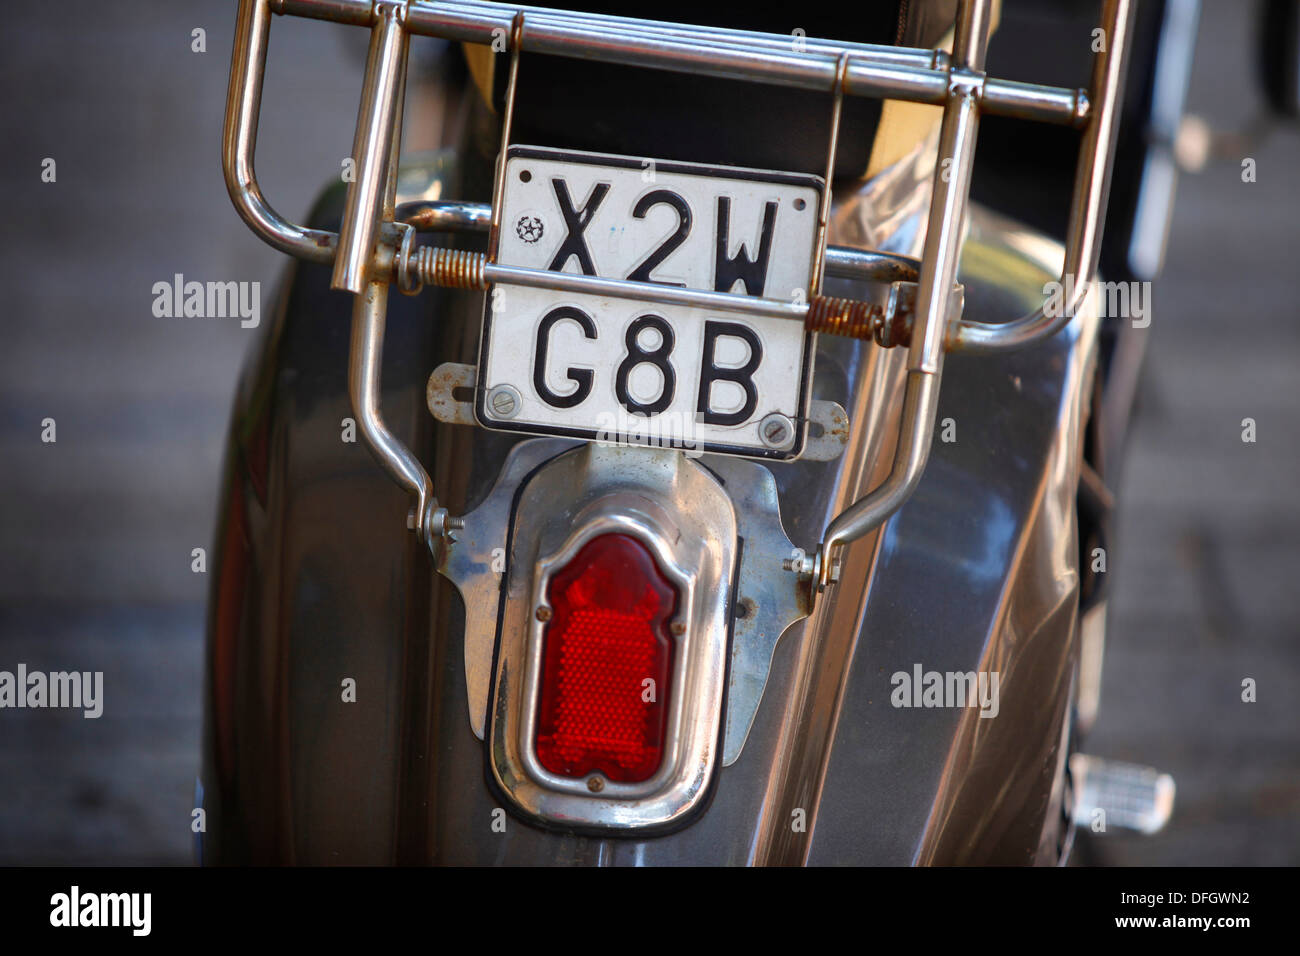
607 657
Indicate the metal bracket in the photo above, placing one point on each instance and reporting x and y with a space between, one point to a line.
832 435
770 600
440 393
827 443
474 559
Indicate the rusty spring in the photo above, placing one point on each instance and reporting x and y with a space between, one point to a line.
460 269
451 268
847 317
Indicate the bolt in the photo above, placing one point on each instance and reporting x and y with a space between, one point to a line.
803 565
776 431
543 612
504 401
454 524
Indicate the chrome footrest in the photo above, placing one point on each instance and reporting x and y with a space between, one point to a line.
1111 794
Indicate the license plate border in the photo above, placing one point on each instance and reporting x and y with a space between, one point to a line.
669 166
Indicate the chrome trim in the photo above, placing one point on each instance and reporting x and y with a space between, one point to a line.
768 599
1128 796
612 520
473 559
678 510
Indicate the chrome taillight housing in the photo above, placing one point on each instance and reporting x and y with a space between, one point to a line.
613 647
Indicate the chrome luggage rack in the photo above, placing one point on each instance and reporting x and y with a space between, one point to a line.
375 245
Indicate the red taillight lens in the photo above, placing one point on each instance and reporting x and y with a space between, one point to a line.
608 634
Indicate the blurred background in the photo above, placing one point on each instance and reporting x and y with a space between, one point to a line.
97 528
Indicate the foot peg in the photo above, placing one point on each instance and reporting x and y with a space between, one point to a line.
1110 794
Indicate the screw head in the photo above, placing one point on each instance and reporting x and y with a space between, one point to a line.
504 401
543 612
776 431
595 784
678 628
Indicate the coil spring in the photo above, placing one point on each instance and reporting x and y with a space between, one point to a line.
451 268
847 317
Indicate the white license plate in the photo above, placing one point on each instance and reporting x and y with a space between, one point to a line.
611 369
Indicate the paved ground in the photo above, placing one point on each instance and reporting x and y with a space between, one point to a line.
1209 550
96 529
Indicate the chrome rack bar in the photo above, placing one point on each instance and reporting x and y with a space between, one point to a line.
376 119
239 141
943 249
943 240
915 75
937 59
888 325
824 207
507 123
373 249
844 262
1087 205
372 196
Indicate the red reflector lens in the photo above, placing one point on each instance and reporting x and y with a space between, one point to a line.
608 634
